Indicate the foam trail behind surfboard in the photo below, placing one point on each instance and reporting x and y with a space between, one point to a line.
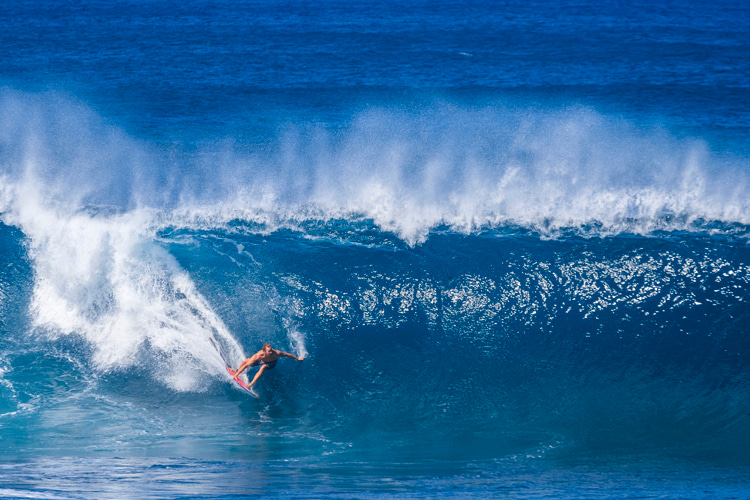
106 279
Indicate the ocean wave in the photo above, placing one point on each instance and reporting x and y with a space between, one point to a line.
579 345
461 235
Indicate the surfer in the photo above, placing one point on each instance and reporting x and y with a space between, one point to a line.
266 358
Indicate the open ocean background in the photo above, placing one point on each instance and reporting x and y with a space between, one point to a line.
511 237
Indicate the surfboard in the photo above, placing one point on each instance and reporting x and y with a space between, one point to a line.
224 356
242 384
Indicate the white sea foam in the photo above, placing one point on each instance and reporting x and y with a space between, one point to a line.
407 171
470 169
100 273
105 278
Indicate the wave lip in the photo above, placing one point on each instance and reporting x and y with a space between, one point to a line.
548 171
408 171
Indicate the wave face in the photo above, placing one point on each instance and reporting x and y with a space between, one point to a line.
468 284
501 343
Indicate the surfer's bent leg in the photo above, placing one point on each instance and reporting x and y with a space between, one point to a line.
243 367
257 375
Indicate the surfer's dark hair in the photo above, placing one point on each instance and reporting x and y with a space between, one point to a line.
267 345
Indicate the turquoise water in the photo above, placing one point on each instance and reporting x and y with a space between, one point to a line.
511 240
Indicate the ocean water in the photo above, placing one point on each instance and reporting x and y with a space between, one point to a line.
511 240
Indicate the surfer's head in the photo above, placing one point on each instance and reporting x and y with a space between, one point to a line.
267 347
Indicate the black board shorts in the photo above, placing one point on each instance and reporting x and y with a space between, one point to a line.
269 366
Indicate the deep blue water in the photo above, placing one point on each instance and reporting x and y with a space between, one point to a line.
510 238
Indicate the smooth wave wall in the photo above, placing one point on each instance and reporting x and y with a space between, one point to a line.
505 342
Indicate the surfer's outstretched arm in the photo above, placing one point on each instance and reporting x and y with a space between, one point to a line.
287 355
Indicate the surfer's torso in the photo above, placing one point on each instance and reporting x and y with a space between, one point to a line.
268 358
